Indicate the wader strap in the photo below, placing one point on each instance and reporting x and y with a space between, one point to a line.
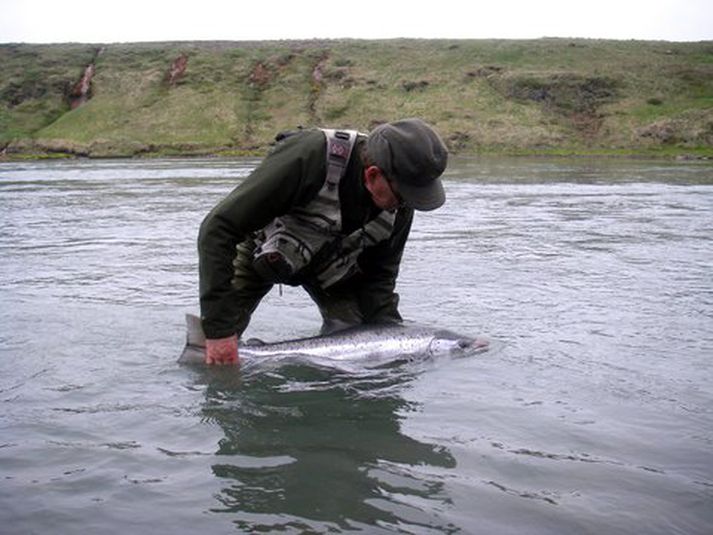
340 144
287 244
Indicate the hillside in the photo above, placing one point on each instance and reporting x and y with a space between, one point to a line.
545 96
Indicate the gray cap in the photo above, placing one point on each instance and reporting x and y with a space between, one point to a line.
412 154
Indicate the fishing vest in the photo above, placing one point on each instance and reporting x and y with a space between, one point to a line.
293 240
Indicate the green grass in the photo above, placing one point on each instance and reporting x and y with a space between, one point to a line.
545 96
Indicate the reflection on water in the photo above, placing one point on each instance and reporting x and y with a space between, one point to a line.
591 413
325 450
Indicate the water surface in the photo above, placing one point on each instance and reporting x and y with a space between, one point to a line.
592 413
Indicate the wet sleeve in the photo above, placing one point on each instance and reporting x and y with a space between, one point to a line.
380 268
287 177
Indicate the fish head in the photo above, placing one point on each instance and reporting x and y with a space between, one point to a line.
447 343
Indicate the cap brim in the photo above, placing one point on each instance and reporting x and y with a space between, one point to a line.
423 198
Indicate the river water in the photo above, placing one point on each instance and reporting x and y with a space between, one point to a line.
591 413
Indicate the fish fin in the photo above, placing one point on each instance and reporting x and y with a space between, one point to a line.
194 351
194 331
192 355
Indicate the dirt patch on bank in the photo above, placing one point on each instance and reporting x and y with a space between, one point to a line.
177 70
570 96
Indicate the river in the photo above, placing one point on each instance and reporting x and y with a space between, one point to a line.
592 412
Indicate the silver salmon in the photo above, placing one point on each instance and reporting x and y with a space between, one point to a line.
360 343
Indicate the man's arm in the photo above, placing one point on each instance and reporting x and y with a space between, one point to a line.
380 268
287 177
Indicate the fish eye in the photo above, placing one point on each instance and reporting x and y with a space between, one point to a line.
445 346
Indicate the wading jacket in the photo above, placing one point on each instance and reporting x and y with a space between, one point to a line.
290 177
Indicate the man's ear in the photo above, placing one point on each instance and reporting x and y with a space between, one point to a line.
371 174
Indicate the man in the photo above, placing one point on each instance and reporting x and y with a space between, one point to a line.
329 211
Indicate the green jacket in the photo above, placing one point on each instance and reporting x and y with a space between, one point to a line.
288 177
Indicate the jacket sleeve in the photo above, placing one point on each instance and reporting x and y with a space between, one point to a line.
380 267
289 176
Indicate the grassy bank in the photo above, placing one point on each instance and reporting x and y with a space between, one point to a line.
546 96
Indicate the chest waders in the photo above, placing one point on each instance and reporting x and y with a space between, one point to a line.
287 246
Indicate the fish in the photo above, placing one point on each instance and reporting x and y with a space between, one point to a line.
366 343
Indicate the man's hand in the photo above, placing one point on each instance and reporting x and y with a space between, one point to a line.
222 350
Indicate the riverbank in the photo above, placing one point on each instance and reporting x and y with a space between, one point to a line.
556 97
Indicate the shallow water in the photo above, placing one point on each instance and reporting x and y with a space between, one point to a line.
591 413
